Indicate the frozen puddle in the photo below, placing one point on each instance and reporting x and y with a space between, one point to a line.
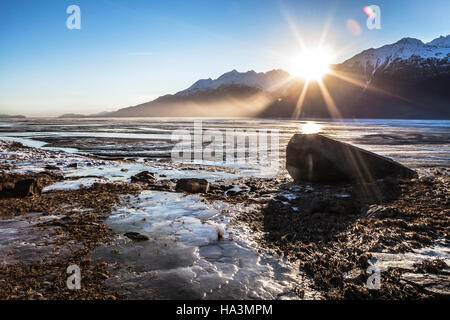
184 257
73 184
23 241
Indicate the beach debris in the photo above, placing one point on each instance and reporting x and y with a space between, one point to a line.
135 236
316 158
144 177
192 185
379 211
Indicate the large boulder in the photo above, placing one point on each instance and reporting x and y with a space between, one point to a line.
316 158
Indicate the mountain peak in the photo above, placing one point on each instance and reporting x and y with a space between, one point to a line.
442 41
266 81
409 41
406 51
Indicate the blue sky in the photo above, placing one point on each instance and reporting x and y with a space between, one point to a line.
129 52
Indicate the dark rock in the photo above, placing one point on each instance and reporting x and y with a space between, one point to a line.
51 167
73 165
144 177
428 180
316 158
7 187
136 236
192 185
26 187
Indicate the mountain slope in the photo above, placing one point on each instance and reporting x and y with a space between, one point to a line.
404 59
225 101
233 94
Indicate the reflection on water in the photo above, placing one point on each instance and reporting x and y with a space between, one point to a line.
310 127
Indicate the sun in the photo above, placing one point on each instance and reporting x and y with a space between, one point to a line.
311 64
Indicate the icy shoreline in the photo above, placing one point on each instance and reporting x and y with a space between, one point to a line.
247 238
185 254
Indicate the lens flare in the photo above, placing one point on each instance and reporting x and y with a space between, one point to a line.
370 13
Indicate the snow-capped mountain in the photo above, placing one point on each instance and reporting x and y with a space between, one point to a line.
405 58
270 81
406 79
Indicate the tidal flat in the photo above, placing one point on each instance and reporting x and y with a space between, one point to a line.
248 237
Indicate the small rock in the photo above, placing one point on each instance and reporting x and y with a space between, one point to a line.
136 236
144 177
379 211
428 180
37 296
73 165
51 167
7 187
23 188
192 185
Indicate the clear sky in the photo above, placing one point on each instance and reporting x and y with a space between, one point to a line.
132 51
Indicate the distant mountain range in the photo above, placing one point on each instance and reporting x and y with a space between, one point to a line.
406 79
8 116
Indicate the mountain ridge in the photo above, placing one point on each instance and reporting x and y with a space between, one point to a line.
408 67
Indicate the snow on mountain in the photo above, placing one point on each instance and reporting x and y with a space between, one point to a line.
441 42
403 52
268 81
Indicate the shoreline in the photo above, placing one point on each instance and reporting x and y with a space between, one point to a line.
332 232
